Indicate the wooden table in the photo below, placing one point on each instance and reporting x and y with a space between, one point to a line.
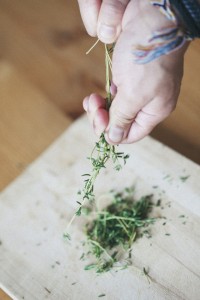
27 125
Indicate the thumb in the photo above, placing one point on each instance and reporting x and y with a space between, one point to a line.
121 116
109 20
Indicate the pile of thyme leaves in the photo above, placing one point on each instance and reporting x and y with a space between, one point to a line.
111 234
102 151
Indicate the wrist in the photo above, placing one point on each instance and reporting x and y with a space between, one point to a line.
143 19
188 16
160 34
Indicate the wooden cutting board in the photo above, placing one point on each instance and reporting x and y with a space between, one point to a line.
36 263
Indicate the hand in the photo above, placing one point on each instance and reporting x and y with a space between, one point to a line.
103 18
144 94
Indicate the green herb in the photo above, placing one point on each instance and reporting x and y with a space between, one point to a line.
147 234
66 236
184 178
167 176
146 273
115 228
158 203
82 256
155 186
46 289
102 151
182 216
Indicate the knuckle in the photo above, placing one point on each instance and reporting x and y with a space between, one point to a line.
121 118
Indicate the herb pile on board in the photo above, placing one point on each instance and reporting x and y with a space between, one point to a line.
113 230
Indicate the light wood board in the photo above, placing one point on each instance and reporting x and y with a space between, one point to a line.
34 210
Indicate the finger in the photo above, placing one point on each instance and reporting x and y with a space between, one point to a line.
109 20
100 121
89 10
95 106
86 103
122 113
147 118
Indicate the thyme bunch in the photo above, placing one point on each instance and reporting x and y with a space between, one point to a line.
115 228
102 151
101 154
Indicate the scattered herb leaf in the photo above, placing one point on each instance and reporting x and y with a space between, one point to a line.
182 216
158 203
66 236
46 289
155 186
184 178
146 273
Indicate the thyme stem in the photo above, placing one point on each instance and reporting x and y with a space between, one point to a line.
102 151
100 247
114 230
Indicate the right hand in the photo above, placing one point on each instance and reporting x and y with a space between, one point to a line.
145 94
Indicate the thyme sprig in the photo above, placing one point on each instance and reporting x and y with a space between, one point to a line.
116 228
102 151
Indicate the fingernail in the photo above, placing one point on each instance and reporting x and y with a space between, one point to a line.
113 89
107 32
116 134
86 104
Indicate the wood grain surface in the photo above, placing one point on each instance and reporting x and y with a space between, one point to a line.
38 264
44 75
